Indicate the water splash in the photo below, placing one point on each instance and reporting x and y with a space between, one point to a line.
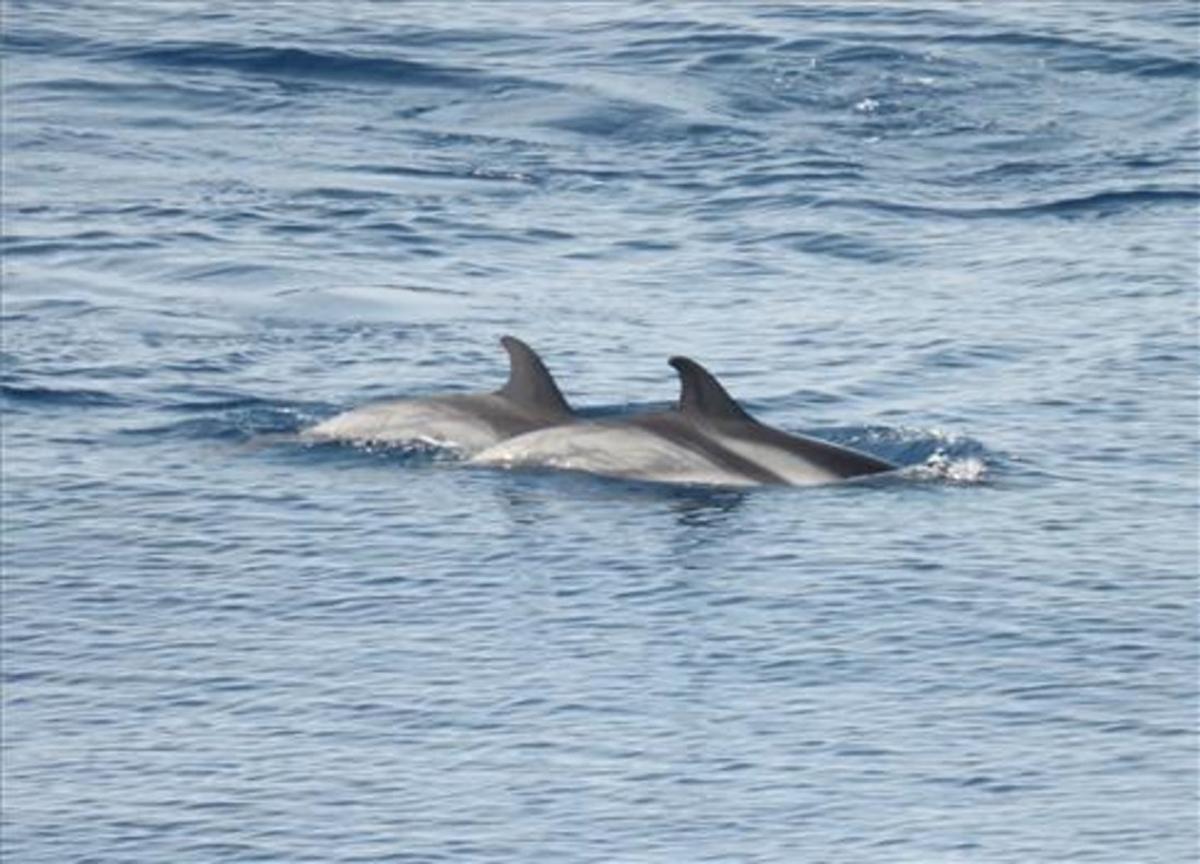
940 466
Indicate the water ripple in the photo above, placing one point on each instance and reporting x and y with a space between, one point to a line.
960 236
293 63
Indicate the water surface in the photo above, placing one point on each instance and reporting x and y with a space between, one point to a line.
961 236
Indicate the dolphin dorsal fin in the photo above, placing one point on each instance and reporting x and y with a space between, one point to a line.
701 395
529 381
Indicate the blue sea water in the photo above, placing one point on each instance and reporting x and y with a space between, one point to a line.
959 235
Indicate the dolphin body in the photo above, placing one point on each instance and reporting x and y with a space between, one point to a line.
708 439
467 422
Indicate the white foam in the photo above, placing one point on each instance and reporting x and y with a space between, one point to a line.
939 466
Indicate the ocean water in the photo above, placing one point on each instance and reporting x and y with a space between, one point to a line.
962 236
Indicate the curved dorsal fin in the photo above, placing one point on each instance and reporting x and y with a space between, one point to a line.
701 395
529 381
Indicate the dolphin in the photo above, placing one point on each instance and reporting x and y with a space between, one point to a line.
467 422
707 439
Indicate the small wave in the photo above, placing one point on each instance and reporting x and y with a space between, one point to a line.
672 49
1098 204
84 242
194 428
78 396
291 63
234 419
872 55
40 41
612 119
1079 56
221 401
1108 203
53 308
140 94
468 173
835 244
638 122
220 271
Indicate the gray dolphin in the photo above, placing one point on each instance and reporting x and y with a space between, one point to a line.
707 439
468 422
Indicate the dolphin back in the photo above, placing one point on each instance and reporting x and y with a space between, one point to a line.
530 383
702 400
